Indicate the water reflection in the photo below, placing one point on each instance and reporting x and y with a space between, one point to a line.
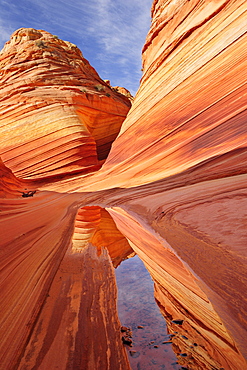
152 348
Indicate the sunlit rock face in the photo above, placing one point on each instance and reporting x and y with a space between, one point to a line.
107 235
188 160
56 112
9 184
57 118
190 109
173 188
95 225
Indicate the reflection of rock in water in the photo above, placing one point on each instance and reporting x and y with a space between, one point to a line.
138 310
190 339
80 313
188 310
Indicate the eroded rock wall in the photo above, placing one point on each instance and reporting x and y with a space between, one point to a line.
190 109
185 175
78 328
58 118
190 255
56 112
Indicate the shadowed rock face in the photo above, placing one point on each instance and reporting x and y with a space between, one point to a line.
174 185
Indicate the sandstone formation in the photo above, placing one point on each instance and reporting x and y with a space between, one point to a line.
107 235
57 118
174 185
190 109
83 326
123 91
9 184
56 112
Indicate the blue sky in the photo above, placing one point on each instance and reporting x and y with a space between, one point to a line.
110 33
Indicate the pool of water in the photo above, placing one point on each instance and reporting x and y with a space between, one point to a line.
137 307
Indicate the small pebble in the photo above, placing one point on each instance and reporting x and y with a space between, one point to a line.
134 354
167 342
140 327
156 346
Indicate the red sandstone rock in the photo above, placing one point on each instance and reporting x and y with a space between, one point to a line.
57 117
192 104
107 235
123 91
84 330
56 112
190 109
86 223
10 186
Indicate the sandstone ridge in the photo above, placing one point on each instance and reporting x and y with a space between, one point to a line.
58 115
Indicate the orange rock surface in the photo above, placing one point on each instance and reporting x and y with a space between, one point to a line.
107 235
57 117
174 185
191 106
83 326
56 112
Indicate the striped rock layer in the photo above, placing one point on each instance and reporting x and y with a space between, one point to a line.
57 115
58 118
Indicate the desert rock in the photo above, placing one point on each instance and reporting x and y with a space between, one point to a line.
174 185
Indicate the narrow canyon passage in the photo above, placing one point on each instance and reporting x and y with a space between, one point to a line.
89 176
68 292
152 345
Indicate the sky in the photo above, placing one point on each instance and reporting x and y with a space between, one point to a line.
110 33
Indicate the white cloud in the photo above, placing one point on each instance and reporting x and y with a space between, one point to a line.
5 32
110 33
120 25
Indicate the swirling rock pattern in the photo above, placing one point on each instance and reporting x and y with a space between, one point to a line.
191 106
174 184
56 112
